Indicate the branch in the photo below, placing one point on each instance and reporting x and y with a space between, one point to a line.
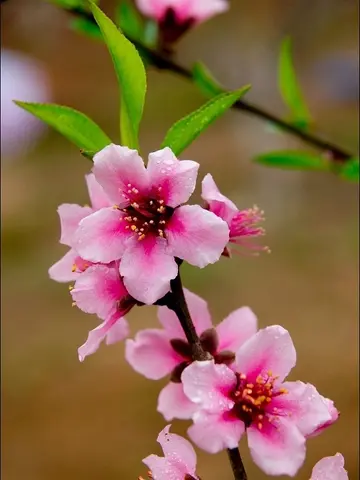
163 62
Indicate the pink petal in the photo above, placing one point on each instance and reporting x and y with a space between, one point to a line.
196 235
70 215
116 168
222 206
199 312
270 349
236 328
151 354
98 197
162 469
209 385
330 468
214 432
176 179
178 450
304 406
61 271
98 290
101 237
202 10
173 403
113 329
278 449
147 269
334 415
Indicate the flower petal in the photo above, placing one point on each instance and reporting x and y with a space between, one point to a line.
99 290
162 469
202 10
147 269
173 403
101 237
175 178
222 206
113 329
305 406
70 215
214 432
330 468
334 415
151 354
278 449
117 167
178 450
61 271
196 235
209 385
98 197
270 349
236 328
199 312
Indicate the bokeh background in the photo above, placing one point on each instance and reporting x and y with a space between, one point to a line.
62 419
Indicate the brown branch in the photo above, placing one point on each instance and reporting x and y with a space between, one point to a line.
163 62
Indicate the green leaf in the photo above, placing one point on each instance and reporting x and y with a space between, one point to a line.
150 35
205 81
294 160
289 87
131 77
86 27
73 4
350 171
129 21
73 125
184 132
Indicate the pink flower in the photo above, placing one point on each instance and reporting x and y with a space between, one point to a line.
243 224
100 290
276 415
184 10
156 353
69 267
147 228
330 468
179 461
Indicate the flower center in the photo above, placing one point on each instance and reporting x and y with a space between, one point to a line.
146 216
209 341
252 399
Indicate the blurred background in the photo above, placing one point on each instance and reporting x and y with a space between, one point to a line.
62 419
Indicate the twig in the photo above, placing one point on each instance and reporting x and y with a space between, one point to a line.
163 62
236 464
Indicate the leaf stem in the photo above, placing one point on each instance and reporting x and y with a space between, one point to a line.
164 62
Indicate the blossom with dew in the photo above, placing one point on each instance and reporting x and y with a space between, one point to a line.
156 353
243 224
100 290
69 267
277 415
178 462
330 468
147 226
22 77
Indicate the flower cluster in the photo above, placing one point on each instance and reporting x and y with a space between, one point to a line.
124 249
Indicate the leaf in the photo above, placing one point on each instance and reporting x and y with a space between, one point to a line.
294 160
73 125
131 77
184 132
350 170
205 81
129 21
150 35
72 4
86 27
289 87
